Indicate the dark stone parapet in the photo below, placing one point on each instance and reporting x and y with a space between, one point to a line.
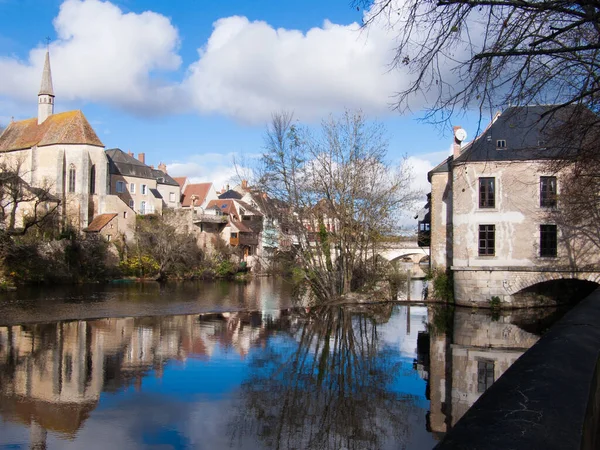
548 399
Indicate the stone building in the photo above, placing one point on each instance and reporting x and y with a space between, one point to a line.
134 182
492 205
60 152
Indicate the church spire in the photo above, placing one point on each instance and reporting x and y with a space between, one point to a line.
46 87
46 94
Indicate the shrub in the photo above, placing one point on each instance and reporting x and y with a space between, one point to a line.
443 285
226 269
139 266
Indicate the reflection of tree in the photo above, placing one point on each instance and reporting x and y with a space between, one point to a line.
331 391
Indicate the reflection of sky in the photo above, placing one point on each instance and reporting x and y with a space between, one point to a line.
191 405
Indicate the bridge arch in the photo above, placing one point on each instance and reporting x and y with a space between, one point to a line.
526 280
522 287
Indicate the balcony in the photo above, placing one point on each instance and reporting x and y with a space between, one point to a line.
146 209
209 218
243 239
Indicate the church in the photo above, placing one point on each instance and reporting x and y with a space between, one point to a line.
62 154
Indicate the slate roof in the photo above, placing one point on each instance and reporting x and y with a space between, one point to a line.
444 166
200 190
155 193
69 127
231 194
524 129
120 163
163 178
99 222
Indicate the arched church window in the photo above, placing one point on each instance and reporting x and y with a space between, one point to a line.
72 174
93 179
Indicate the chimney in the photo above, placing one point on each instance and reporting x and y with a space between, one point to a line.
456 144
152 166
130 153
142 158
244 184
163 167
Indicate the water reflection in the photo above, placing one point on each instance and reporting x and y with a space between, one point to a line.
335 378
469 350
332 391
44 304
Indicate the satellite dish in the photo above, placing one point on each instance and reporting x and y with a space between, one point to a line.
460 134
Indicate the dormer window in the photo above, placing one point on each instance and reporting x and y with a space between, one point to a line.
501 144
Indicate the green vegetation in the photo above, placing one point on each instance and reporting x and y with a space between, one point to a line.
495 302
33 259
442 321
443 285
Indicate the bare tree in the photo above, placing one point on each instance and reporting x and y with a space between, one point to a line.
23 206
338 195
158 237
330 392
494 53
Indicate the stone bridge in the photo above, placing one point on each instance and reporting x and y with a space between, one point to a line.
514 286
408 253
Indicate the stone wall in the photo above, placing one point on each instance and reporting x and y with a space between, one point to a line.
441 221
548 399
477 286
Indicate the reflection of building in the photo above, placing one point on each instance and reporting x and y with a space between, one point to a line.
52 375
468 353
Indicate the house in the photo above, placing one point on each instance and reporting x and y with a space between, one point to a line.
168 188
243 227
134 182
197 195
61 153
492 207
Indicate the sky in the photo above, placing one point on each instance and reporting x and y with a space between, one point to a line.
194 83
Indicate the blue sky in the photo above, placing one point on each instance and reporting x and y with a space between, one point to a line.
192 83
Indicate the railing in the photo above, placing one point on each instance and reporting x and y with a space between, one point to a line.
209 218
244 239
248 239
149 209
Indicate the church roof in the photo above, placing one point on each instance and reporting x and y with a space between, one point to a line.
69 127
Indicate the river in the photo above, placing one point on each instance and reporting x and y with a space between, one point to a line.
234 365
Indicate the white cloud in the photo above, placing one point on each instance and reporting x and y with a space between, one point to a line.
101 55
250 69
246 70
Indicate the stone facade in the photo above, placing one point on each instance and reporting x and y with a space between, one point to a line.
490 235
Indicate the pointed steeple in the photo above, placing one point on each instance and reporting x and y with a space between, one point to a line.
46 87
46 94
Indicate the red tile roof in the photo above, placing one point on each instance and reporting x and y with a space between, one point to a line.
180 180
70 127
226 206
99 222
241 227
200 190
